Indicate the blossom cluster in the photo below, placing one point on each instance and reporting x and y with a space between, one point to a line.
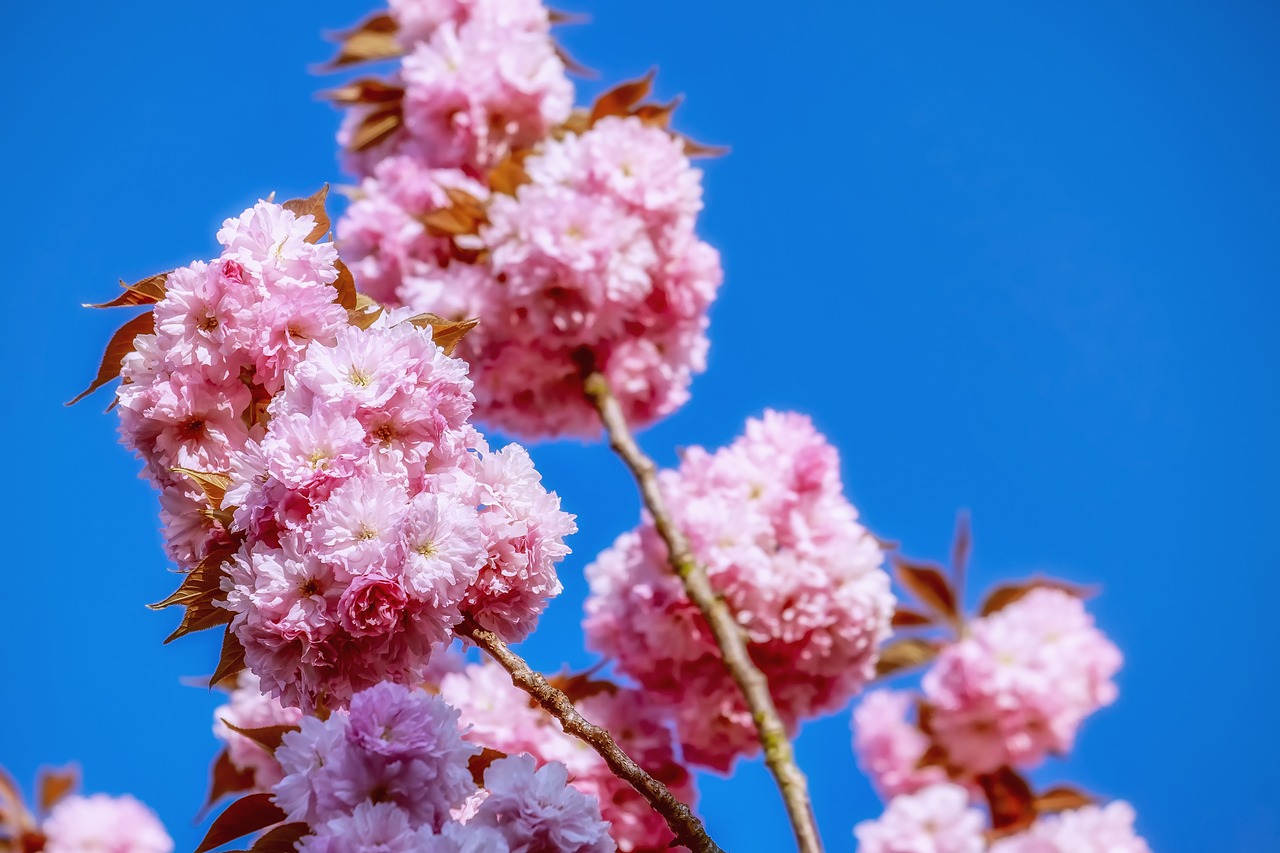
1013 690
496 714
589 259
393 774
939 819
249 708
364 517
91 824
782 545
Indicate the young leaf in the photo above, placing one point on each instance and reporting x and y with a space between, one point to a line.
927 583
368 90
312 205
283 839
201 582
149 291
1010 800
620 100
225 778
693 148
267 737
447 333
213 484
56 784
245 815
376 127
509 175
231 661
345 284
479 763
1002 596
372 39
120 345
905 617
961 545
1061 798
905 654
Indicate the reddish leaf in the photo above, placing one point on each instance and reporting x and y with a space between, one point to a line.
120 345
231 661
480 763
225 778
199 592
376 127
658 115
620 100
905 654
53 785
246 815
927 583
345 284
371 40
509 175
1061 798
572 65
313 206
557 17
1010 800
904 617
282 839
267 737
13 811
693 148
1002 596
213 484
368 90
146 292
447 333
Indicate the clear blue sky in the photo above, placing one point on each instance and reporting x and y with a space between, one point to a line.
1015 257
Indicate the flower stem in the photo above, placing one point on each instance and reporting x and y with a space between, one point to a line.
728 634
686 826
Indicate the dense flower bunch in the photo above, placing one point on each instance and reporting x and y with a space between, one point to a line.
99 822
768 517
393 775
363 517
573 237
497 715
939 819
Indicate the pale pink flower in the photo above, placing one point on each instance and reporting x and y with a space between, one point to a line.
101 823
1092 829
937 819
249 708
889 748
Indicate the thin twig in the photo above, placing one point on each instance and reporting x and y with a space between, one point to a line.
686 826
724 627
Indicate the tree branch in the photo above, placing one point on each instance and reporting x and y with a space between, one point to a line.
724 627
688 829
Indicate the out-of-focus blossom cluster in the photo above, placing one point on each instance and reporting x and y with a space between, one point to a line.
939 819
497 715
363 516
580 252
768 518
393 775
249 708
99 823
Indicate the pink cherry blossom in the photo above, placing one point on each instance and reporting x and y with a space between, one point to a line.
99 822
889 748
937 819
1092 829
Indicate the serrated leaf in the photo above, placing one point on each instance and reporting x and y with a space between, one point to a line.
479 763
245 815
148 291
213 484
282 839
345 284
120 345
1006 594
204 579
905 617
903 654
928 584
267 737
312 205
620 100
368 90
658 115
376 127
446 333
1061 798
1009 799
225 778
371 40
693 148
230 661
54 784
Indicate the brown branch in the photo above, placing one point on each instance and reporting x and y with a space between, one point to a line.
686 826
724 627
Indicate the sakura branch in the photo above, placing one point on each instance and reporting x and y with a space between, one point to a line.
729 637
686 826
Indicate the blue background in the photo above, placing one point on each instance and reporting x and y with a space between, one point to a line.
1015 257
